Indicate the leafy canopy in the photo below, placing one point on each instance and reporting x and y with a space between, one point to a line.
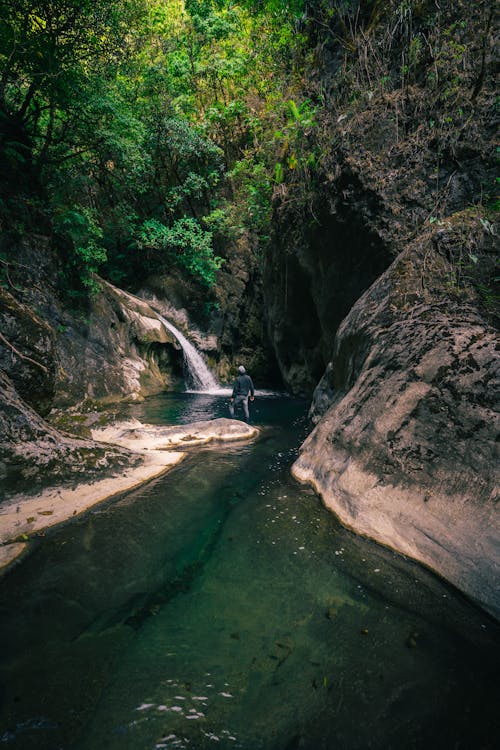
154 131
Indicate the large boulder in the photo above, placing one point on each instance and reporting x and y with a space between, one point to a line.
405 449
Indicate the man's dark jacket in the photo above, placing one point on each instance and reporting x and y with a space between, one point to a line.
243 386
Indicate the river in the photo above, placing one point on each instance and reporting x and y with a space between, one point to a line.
221 606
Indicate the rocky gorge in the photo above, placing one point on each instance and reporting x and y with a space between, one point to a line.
373 299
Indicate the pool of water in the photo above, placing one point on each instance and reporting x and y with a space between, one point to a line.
222 606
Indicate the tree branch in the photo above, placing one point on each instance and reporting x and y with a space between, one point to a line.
27 100
23 356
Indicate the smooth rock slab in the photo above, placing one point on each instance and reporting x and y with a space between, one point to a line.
22 515
10 552
137 436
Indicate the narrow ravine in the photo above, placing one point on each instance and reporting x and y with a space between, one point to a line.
223 606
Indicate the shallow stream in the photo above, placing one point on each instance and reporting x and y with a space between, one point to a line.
221 606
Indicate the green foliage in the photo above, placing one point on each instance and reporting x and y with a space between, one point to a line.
187 165
185 244
253 187
51 55
156 129
159 131
278 173
294 137
219 222
78 226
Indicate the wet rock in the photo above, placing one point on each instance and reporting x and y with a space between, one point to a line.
142 437
111 346
122 352
316 268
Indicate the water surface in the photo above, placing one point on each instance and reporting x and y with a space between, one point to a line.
223 606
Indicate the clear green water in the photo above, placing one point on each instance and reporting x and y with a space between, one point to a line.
222 607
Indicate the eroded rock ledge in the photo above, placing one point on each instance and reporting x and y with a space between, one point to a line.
405 448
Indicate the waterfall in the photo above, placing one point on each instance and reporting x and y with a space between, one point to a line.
199 374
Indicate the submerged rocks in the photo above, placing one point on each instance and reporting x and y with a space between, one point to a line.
26 515
404 450
126 455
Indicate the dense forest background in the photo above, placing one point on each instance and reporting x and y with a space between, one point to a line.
145 135
148 136
310 188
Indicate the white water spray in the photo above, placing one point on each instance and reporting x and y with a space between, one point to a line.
199 374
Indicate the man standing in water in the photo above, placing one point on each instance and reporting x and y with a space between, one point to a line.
242 390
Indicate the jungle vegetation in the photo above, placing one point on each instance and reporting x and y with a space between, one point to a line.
145 131
149 135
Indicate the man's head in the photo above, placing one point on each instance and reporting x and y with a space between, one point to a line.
241 370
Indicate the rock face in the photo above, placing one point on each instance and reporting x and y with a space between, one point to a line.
394 147
113 347
27 352
243 338
234 313
317 268
405 447
121 351
34 454
52 357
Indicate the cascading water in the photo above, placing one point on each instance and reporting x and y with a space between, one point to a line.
200 376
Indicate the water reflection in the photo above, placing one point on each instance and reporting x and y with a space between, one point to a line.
269 407
222 606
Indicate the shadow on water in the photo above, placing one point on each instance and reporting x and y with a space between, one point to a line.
222 606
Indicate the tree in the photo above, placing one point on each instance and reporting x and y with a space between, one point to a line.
51 53
147 123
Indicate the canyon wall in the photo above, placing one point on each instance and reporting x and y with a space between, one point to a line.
382 283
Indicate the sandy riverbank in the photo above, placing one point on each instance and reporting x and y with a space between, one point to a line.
22 516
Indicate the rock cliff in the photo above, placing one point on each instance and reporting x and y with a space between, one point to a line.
121 350
53 358
404 139
108 347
